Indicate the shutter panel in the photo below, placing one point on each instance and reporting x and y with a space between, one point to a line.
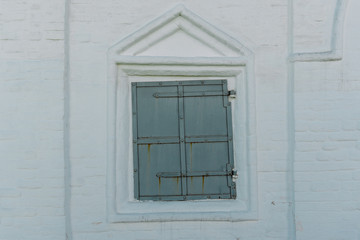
207 141
157 142
182 140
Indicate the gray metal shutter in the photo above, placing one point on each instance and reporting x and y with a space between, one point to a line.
182 140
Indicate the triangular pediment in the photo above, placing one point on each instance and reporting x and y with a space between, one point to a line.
180 33
189 46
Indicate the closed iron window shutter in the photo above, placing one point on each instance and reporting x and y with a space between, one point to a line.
182 140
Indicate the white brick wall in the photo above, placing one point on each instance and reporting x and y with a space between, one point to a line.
327 157
326 106
31 119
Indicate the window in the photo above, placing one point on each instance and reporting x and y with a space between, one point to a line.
182 140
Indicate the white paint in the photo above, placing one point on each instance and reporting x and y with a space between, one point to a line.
121 204
307 118
31 124
177 45
336 38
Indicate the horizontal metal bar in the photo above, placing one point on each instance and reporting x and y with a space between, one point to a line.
163 198
190 94
189 139
169 174
168 140
206 139
186 197
166 95
206 174
178 83
192 174
208 196
205 93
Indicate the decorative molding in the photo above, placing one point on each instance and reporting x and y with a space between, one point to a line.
336 51
236 63
334 54
180 19
198 61
121 205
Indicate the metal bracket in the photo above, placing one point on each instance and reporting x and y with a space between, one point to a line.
233 171
234 174
232 94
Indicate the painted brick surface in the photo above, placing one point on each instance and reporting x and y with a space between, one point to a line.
31 120
91 35
326 160
327 156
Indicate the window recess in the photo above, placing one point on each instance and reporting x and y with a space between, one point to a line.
182 140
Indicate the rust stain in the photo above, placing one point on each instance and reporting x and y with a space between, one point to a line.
191 179
148 162
191 157
203 183
159 185
148 152
177 183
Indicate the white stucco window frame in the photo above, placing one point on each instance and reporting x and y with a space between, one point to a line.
121 205
226 58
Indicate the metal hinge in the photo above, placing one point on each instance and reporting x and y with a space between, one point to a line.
233 172
232 94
